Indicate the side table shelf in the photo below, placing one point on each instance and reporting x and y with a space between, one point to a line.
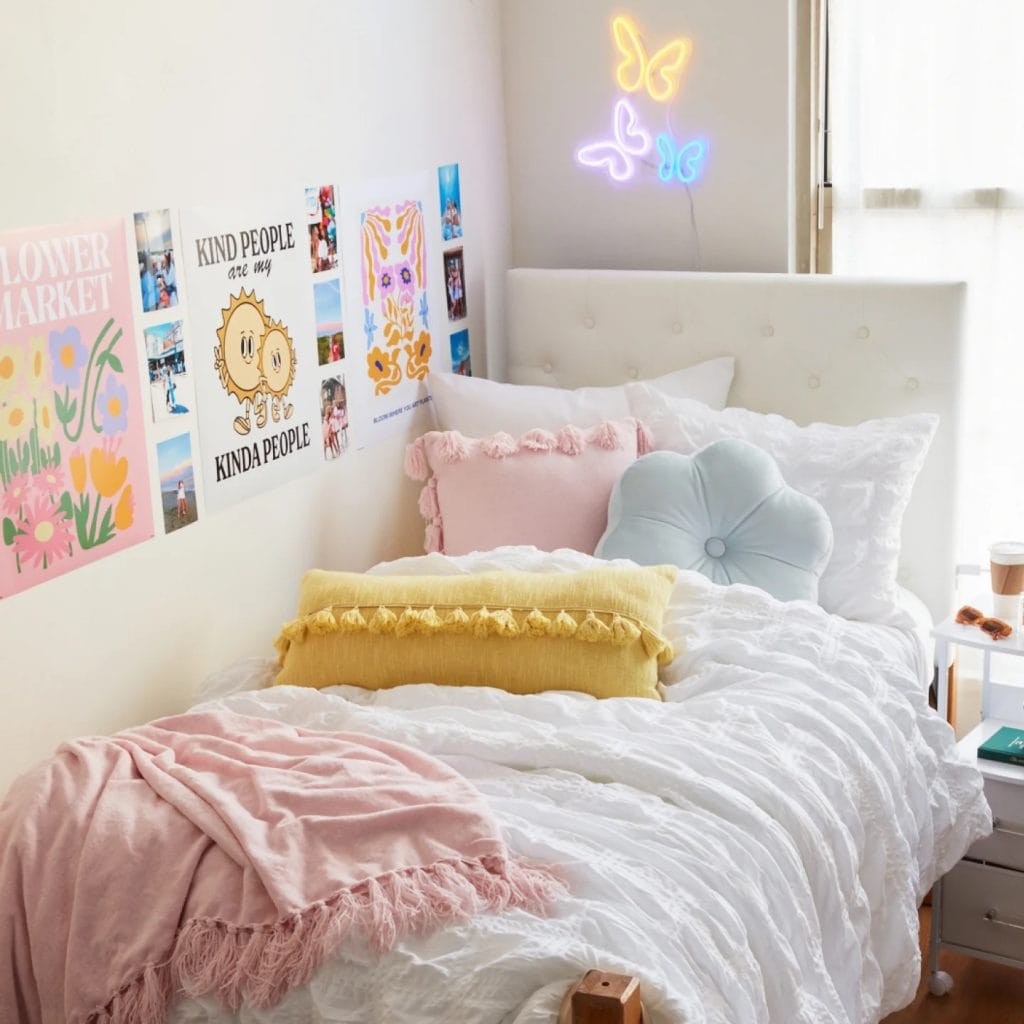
978 907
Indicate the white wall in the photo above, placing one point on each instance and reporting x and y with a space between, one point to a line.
115 107
559 91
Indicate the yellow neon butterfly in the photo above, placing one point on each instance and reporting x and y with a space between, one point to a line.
659 74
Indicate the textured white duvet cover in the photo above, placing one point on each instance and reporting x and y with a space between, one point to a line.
754 848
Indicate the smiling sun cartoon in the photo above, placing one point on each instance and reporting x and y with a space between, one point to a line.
277 363
237 356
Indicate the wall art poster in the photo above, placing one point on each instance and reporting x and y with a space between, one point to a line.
74 475
396 253
253 348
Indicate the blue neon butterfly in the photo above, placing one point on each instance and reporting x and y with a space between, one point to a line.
684 163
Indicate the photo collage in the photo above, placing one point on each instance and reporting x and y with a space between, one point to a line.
325 267
450 198
171 397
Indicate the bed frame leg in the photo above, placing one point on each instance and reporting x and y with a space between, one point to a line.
601 997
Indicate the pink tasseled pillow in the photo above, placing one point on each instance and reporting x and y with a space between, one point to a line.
547 489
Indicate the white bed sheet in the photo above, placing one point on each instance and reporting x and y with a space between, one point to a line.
754 848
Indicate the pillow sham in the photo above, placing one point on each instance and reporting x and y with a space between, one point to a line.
861 475
549 490
595 631
725 512
478 407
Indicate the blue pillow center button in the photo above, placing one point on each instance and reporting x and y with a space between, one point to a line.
715 547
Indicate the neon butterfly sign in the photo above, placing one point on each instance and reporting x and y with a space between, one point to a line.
659 76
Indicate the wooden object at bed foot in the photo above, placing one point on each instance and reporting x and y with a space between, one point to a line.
601 997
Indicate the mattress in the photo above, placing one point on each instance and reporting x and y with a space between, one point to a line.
754 848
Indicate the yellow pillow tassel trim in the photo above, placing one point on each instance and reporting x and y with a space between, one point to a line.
456 621
430 621
383 621
623 631
503 623
351 621
408 623
322 622
483 622
564 625
295 631
537 624
593 630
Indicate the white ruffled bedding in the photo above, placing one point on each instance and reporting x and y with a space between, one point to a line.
754 849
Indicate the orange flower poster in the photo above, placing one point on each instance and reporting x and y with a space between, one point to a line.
402 308
74 477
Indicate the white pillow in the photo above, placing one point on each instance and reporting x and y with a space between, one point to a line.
478 408
862 476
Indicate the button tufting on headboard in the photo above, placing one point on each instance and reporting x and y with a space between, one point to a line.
912 364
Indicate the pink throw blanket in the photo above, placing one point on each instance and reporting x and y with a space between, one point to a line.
216 853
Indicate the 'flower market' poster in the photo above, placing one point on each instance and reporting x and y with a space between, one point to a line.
393 249
254 347
74 478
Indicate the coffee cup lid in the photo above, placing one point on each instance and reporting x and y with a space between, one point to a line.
1007 552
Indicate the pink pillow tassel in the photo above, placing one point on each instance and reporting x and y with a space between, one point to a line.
644 440
540 441
416 465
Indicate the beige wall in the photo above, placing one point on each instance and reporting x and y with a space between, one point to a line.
559 90
116 107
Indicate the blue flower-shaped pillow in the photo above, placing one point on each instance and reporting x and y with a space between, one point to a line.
725 512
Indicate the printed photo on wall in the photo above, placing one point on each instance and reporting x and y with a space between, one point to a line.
460 353
74 472
177 482
330 338
451 201
454 284
169 385
251 337
323 228
334 416
158 273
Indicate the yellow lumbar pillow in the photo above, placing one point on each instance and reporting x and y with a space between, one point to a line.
596 631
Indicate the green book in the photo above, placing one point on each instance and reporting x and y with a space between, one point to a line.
1006 745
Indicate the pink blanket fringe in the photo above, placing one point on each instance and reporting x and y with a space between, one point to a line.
257 966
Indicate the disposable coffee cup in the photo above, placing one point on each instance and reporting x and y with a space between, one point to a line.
1007 563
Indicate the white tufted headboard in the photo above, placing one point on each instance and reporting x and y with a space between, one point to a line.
812 348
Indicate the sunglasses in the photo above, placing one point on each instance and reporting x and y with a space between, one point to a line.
996 628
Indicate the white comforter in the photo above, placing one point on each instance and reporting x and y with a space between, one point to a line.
754 849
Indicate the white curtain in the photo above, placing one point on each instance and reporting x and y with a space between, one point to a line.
927 119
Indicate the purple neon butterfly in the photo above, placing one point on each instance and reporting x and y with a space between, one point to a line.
616 155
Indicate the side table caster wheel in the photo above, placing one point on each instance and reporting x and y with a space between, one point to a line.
940 984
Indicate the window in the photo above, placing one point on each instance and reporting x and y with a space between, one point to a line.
926 147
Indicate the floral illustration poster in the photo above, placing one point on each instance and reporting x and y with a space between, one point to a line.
74 477
390 224
254 347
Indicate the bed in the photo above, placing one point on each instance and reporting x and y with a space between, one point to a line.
755 847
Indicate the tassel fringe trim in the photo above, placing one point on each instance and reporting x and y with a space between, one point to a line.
451 446
482 622
257 966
